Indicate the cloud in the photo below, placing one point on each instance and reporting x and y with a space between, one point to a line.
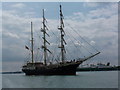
98 27
79 43
88 4
18 5
92 42
107 11
13 35
101 26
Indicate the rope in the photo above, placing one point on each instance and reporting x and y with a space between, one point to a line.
81 45
82 37
76 46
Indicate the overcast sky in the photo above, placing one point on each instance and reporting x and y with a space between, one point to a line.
96 22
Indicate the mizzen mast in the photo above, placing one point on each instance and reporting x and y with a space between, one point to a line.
62 47
32 43
44 46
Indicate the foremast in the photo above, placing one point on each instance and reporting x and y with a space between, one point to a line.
62 41
45 42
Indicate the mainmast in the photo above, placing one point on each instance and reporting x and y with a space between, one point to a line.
44 46
62 36
32 42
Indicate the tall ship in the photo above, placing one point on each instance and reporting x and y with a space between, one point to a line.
64 66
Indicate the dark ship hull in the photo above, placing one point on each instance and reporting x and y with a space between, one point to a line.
64 69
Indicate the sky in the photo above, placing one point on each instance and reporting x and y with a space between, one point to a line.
96 22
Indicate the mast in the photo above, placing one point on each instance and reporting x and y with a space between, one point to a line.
44 46
32 42
62 36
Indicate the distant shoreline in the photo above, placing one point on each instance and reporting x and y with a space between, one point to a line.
116 68
17 72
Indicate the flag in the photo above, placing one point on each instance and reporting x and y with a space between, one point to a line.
26 47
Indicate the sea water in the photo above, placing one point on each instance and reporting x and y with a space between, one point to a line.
96 79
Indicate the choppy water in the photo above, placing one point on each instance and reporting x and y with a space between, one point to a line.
101 79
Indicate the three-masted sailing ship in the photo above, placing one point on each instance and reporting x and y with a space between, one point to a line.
64 67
